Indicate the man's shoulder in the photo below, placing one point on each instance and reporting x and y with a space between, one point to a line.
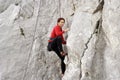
56 26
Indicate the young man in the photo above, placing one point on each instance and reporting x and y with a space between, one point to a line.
56 40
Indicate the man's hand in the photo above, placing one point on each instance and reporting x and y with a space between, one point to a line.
67 29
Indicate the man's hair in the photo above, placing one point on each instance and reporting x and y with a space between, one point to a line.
59 19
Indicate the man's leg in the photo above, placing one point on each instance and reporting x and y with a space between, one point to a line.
56 46
63 66
59 43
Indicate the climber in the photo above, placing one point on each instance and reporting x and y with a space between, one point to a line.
56 40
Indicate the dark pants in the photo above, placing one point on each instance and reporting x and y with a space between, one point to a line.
56 46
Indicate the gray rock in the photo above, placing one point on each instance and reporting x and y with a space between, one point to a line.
92 43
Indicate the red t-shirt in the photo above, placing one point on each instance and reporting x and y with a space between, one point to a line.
57 31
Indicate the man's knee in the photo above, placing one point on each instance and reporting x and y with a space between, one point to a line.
59 38
62 58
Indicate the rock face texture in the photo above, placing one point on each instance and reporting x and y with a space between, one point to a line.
93 42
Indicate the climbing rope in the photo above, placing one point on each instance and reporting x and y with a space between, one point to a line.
27 64
60 8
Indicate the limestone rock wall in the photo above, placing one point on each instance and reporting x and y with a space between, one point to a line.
93 44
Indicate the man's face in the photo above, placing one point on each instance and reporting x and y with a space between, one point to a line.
61 23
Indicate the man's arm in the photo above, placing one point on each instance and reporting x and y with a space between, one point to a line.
58 31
